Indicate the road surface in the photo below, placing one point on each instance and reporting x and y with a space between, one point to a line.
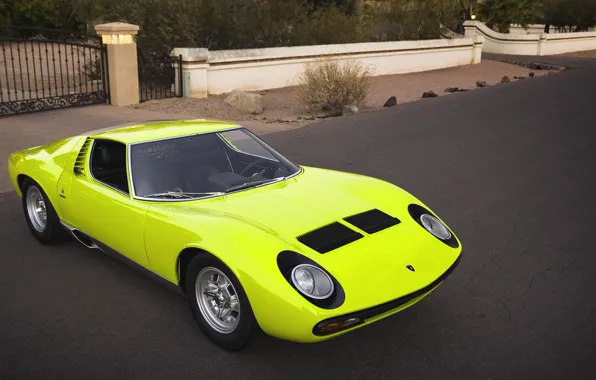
511 168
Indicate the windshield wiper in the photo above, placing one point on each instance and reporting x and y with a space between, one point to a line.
253 183
180 194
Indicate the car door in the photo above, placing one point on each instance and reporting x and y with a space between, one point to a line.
95 198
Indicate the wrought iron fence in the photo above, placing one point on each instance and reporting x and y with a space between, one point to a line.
160 76
42 69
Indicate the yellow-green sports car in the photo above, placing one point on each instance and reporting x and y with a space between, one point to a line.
252 239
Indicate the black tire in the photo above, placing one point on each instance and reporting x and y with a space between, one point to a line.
54 232
247 325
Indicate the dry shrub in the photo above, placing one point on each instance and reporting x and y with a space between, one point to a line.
329 85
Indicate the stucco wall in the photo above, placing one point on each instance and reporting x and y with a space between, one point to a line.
217 72
536 29
530 44
532 28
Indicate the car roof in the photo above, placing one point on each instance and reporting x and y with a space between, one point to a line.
159 129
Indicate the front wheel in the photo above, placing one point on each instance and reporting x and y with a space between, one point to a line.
40 214
219 304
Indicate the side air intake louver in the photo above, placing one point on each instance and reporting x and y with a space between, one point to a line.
329 237
372 221
79 166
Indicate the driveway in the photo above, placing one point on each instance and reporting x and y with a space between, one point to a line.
510 168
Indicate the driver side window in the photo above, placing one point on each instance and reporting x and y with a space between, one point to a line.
108 164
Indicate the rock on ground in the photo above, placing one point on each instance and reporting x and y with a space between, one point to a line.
352 108
391 102
245 101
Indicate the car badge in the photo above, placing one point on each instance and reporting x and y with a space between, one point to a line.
410 268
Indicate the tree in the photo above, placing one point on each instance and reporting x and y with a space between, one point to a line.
500 14
57 14
570 15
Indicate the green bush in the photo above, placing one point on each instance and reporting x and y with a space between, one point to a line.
500 14
329 85
58 14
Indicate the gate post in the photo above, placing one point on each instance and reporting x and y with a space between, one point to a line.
123 70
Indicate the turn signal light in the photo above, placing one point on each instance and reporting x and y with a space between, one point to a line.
333 327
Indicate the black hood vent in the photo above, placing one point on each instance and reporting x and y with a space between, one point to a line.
329 237
372 221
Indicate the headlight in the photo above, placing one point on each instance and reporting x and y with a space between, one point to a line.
435 227
311 281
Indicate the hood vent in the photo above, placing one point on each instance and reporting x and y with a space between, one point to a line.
329 237
372 221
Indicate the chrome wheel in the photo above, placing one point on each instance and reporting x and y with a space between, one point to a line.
36 209
217 300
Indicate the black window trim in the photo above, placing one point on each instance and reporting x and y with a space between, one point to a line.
90 167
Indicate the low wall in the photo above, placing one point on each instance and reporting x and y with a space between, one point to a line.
530 44
536 29
216 72
560 43
532 29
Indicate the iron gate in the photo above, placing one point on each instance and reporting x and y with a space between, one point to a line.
160 76
43 69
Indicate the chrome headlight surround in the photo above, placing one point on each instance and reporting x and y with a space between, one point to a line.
289 264
427 220
321 285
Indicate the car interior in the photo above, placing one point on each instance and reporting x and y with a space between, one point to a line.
108 164
192 165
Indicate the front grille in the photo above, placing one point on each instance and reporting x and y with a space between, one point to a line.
329 237
372 221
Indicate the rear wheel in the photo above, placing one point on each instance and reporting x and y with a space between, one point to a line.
40 215
219 304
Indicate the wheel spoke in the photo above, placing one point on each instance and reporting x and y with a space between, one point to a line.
235 306
210 293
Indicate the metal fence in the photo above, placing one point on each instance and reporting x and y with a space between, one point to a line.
160 76
42 69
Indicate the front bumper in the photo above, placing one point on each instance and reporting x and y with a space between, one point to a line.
342 323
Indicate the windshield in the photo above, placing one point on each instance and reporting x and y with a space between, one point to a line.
202 165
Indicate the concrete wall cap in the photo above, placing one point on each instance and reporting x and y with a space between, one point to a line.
116 28
192 54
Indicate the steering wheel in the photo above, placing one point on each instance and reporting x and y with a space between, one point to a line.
252 165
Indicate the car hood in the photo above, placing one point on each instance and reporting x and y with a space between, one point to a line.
313 199
317 198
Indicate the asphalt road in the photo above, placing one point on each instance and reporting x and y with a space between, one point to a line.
511 168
